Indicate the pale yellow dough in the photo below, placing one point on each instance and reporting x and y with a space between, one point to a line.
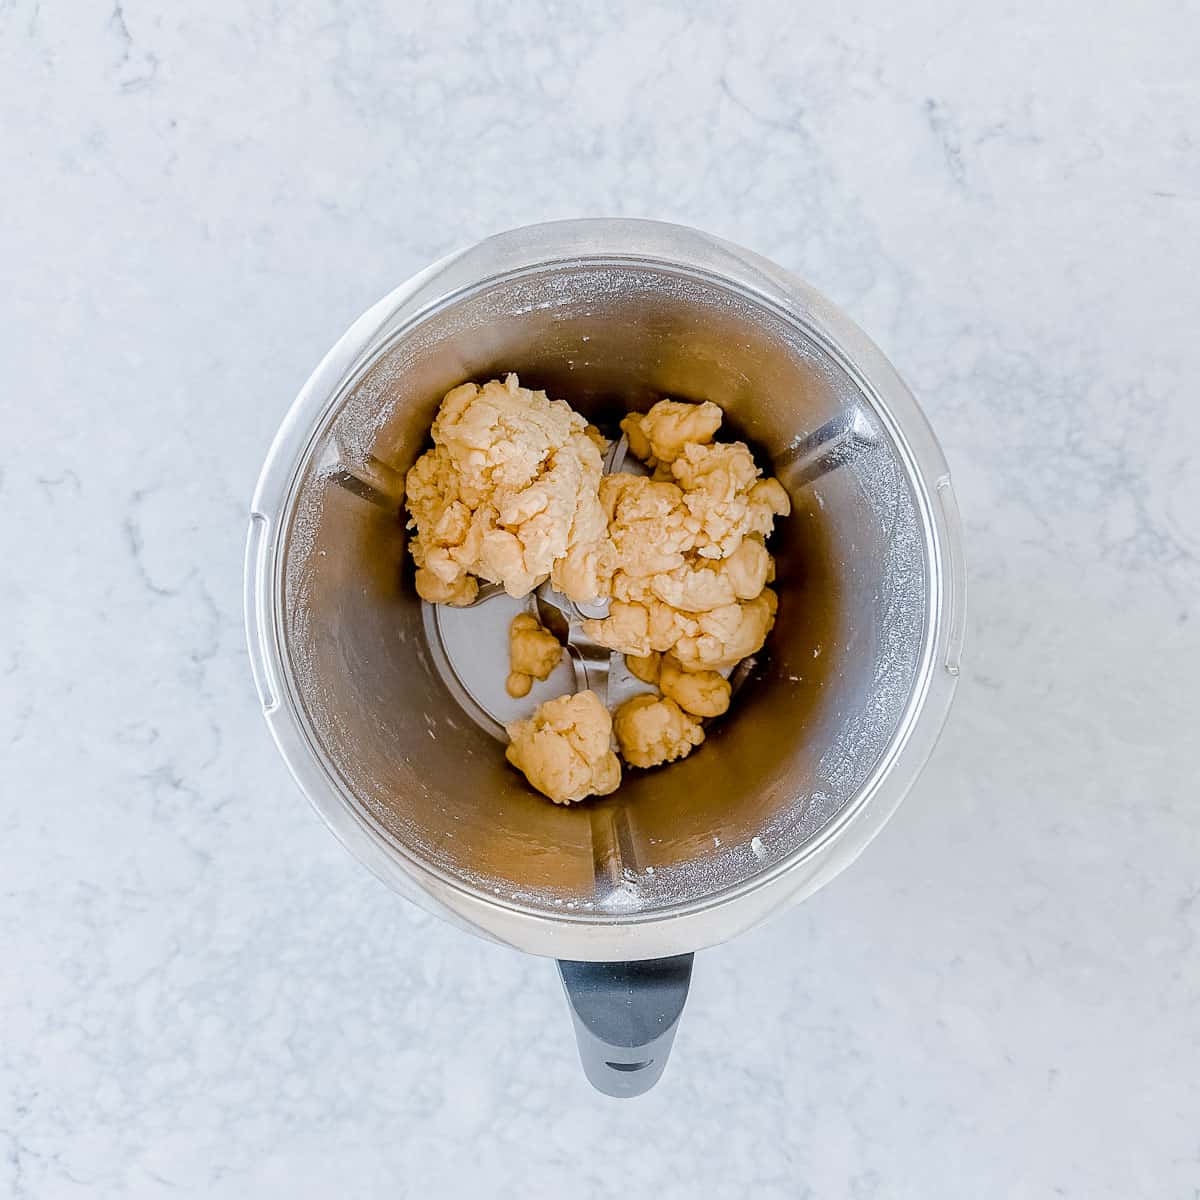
509 493
651 731
565 749
533 652
513 492
727 635
646 667
660 435
701 693
690 566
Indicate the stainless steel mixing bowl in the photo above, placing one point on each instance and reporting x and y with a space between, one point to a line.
825 737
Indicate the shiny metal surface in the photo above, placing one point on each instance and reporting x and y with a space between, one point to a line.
824 737
564 618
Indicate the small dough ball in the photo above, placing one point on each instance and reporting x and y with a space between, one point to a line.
660 435
651 731
644 666
770 494
518 684
458 593
701 693
565 748
727 635
719 472
533 652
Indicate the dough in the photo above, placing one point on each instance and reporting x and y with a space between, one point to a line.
513 492
701 693
727 635
697 587
651 731
533 652
645 667
565 749
660 435
689 553
458 592
648 525
508 492
722 494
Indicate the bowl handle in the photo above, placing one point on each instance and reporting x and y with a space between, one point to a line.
625 1016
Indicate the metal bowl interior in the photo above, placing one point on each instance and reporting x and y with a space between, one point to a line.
827 703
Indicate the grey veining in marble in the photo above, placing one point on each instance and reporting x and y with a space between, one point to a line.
201 994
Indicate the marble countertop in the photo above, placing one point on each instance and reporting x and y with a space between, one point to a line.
202 994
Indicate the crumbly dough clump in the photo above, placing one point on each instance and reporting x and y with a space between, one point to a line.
533 652
514 492
651 730
701 693
565 748
509 493
660 435
688 545
727 635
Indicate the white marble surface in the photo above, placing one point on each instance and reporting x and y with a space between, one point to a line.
202 994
